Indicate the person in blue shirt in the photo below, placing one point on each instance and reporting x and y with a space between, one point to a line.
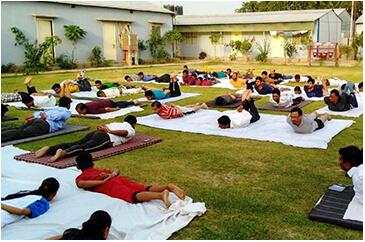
40 123
261 87
47 191
146 78
316 90
172 91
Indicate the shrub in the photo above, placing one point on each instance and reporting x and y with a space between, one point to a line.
264 51
96 58
65 62
9 68
202 55
74 33
345 51
290 49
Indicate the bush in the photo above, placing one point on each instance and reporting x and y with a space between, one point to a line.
96 58
345 51
290 49
65 62
9 68
264 51
202 55
233 56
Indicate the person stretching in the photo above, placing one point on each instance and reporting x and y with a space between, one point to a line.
110 183
171 111
340 103
306 123
103 106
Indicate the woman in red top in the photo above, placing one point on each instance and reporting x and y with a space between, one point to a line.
109 183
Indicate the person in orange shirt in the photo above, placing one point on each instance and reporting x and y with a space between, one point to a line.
238 82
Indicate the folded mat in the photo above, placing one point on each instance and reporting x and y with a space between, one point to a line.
67 130
334 204
138 141
355 112
268 128
8 118
72 206
272 108
172 99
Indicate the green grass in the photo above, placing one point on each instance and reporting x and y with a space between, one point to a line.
252 189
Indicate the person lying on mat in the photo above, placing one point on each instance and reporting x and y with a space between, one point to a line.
360 87
103 106
266 79
106 135
172 91
302 123
340 102
351 159
101 86
40 123
38 204
262 87
281 100
316 90
238 82
32 98
95 228
229 73
277 77
118 91
67 87
245 114
131 78
249 74
110 183
171 111
188 79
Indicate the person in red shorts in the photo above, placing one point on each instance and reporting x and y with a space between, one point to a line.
171 111
111 184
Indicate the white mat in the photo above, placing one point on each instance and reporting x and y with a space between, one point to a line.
354 210
268 128
72 206
171 99
355 112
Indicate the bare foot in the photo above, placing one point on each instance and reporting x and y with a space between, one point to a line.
180 193
165 198
204 106
41 152
329 118
59 154
28 80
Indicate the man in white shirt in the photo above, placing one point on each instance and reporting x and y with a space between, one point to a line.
118 91
281 100
106 135
351 162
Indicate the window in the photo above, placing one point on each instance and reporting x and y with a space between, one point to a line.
190 38
156 27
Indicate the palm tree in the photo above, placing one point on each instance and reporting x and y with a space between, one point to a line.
74 33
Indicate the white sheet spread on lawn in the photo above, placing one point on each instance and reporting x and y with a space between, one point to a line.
72 206
172 99
354 210
355 112
268 128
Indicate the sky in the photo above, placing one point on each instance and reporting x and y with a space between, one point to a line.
206 7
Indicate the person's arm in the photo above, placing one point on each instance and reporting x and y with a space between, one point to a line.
16 211
86 184
58 114
56 237
122 133
109 109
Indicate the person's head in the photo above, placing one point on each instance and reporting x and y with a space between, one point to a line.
272 71
334 96
276 95
56 88
156 106
98 84
234 75
327 82
132 120
229 71
100 94
264 74
128 78
185 67
140 74
97 226
350 156
48 189
296 115
310 82
28 101
194 75
297 78
215 74
185 73
297 90
360 86
258 81
84 160
65 102
219 101
149 94
81 108
224 122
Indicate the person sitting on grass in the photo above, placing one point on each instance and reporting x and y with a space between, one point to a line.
103 106
95 228
281 100
238 82
172 91
315 90
351 159
38 202
340 103
40 123
101 86
106 135
306 124
262 87
360 87
171 111
110 183
245 114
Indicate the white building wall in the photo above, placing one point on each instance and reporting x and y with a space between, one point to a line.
345 26
359 28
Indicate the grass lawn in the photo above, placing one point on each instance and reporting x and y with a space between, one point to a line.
252 189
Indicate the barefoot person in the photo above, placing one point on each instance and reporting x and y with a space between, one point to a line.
103 106
111 184
171 111
315 90
340 103
281 100
111 134
306 124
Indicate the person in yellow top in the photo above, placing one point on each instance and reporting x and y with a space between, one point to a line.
238 82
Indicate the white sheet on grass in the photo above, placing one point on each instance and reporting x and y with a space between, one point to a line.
268 128
72 206
172 99
354 210
355 112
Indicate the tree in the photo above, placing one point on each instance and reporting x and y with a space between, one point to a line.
156 44
214 39
175 38
244 47
74 33
290 49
